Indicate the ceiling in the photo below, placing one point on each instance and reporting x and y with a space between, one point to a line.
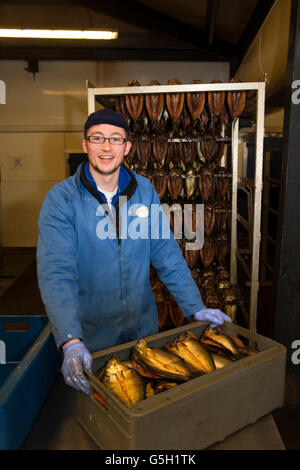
204 30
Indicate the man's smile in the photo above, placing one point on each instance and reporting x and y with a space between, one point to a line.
106 157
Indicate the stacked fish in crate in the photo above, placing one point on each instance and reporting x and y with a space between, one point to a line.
179 142
149 371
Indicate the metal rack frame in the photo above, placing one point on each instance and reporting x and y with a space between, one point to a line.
266 238
259 88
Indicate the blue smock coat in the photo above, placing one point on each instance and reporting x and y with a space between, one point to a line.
93 276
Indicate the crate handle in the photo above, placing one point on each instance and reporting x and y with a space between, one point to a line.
100 399
13 326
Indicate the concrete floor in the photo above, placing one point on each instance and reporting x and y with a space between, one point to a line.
56 426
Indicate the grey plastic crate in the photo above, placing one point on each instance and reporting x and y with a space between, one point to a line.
195 414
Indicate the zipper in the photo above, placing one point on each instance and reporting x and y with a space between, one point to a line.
128 192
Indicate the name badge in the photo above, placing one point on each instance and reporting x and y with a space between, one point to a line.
142 212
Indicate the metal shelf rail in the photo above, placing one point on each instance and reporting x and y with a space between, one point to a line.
259 89
267 209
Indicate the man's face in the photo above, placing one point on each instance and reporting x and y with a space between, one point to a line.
105 158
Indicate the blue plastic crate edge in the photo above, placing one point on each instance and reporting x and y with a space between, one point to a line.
13 380
26 389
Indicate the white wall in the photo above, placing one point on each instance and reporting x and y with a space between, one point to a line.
42 122
31 163
55 100
120 73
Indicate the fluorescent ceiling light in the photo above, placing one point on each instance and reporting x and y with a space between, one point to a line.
56 34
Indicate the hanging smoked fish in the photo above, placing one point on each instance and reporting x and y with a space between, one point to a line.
159 180
161 304
151 166
222 284
206 182
223 274
191 257
195 102
185 120
154 103
120 106
196 275
211 299
143 150
169 155
163 312
131 156
224 117
207 252
221 246
144 127
188 152
221 214
208 282
176 314
174 103
209 218
216 101
222 181
175 183
220 151
134 104
230 300
236 101
203 121
209 148
221 122
176 154
190 183
160 148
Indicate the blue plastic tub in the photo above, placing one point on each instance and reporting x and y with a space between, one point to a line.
26 374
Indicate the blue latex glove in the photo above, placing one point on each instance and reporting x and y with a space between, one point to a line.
213 315
76 357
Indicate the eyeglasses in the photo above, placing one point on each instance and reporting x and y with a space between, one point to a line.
99 139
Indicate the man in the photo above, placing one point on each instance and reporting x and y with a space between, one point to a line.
93 276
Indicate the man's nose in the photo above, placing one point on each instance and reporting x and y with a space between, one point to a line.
106 145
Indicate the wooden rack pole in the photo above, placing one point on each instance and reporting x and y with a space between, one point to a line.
91 100
256 234
234 188
265 217
137 90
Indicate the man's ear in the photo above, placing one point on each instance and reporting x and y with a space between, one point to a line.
128 147
83 143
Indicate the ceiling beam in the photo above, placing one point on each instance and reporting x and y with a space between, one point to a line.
260 13
158 23
102 54
211 19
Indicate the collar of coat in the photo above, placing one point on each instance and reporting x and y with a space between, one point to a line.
127 184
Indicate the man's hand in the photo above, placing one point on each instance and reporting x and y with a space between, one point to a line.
215 316
76 357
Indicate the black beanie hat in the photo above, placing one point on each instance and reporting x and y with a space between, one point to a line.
106 116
